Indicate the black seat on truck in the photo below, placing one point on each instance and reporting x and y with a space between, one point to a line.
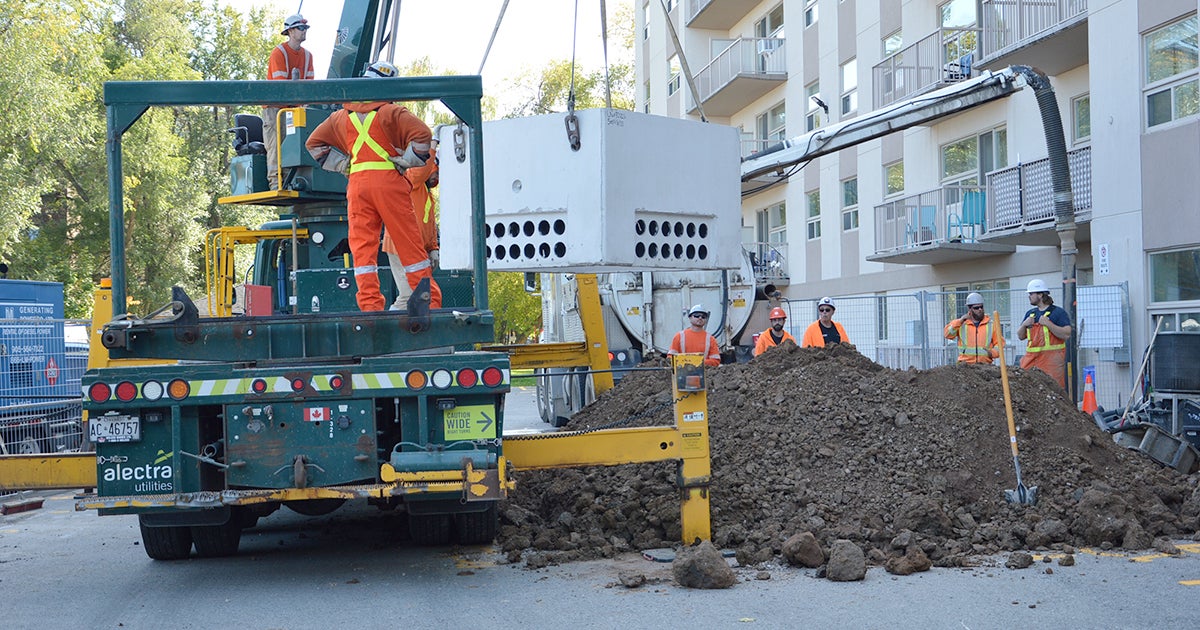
247 134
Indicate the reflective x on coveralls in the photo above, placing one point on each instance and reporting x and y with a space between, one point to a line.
1046 352
379 195
974 347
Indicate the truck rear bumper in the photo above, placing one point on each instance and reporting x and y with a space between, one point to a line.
466 485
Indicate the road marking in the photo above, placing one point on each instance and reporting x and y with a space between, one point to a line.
1190 582
1183 549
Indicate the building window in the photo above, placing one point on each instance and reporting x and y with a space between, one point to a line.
893 178
850 87
771 25
1081 117
646 21
813 199
850 204
670 5
810 13
966 161
673 75
1171 73
812 120
957 13
892 44
771 226
996 297
1175 276
772 125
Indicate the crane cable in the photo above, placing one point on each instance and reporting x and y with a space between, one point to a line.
492 40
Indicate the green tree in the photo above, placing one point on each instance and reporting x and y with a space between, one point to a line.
518 313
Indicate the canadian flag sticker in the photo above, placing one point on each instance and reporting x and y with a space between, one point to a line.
317 414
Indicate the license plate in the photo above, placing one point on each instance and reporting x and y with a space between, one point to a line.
115 429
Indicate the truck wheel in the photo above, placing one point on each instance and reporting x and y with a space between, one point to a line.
215 541
477 528
429 529
166 543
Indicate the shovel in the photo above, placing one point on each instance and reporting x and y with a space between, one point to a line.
1022 495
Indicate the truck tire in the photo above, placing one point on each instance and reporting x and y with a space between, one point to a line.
166 543
216 541
477 528
429 529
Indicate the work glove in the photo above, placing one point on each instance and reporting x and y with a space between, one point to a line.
411 157
435 257
331 159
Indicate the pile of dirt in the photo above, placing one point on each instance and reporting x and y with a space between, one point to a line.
828 442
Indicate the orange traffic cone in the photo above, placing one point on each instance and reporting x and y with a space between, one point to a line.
1089 394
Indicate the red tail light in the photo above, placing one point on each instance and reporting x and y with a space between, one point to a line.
493 376
126 391
99 392
467 377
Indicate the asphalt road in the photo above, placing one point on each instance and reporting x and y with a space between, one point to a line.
355 568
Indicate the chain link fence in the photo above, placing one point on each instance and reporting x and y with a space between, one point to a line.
906 330
41 398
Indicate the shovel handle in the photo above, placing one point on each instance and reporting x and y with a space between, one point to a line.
1012 428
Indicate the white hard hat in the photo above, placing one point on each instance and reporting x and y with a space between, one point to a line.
697 308
826 301
1037 286
292 22
974 298
381 69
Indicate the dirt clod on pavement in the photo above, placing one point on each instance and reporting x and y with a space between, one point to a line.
827 442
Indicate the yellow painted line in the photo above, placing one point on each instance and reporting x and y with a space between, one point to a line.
1190 582
1184 548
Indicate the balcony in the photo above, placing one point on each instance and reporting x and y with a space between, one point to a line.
943 225
1051 35
748 68
717 14
942 58
1021 201
769 261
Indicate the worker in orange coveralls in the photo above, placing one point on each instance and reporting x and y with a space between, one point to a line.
374 143
696 339
289 61
422 178
979 338
774 335
1045 328
824 331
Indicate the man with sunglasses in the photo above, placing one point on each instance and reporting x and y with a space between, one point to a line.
978 336
824 331
696 339
289 61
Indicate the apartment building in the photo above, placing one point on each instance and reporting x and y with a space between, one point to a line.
965 203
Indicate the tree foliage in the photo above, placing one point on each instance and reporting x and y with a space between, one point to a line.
54 215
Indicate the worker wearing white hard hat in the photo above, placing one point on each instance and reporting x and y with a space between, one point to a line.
695 339
289 61
978 336
1045 328
824 331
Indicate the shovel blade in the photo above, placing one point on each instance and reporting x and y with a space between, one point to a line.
1022 495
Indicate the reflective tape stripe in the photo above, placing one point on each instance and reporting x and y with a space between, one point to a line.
428 205
424 264
363 126
379 380
279 74
365 269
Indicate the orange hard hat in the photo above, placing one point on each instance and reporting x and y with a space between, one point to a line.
777 313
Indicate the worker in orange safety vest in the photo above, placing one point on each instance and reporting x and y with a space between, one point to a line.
289 61
374 143
978 336
423 179
824 331
696 339
1046 328
774 335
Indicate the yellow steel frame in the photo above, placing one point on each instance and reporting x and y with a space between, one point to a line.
219 273
592 353
687 442
47 472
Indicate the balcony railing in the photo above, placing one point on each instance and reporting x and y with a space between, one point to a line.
1009 24
950 214
1023 195
768 259
941 58
755 57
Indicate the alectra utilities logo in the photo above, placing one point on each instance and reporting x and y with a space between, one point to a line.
155 477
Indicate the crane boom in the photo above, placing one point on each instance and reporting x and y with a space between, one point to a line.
919 110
